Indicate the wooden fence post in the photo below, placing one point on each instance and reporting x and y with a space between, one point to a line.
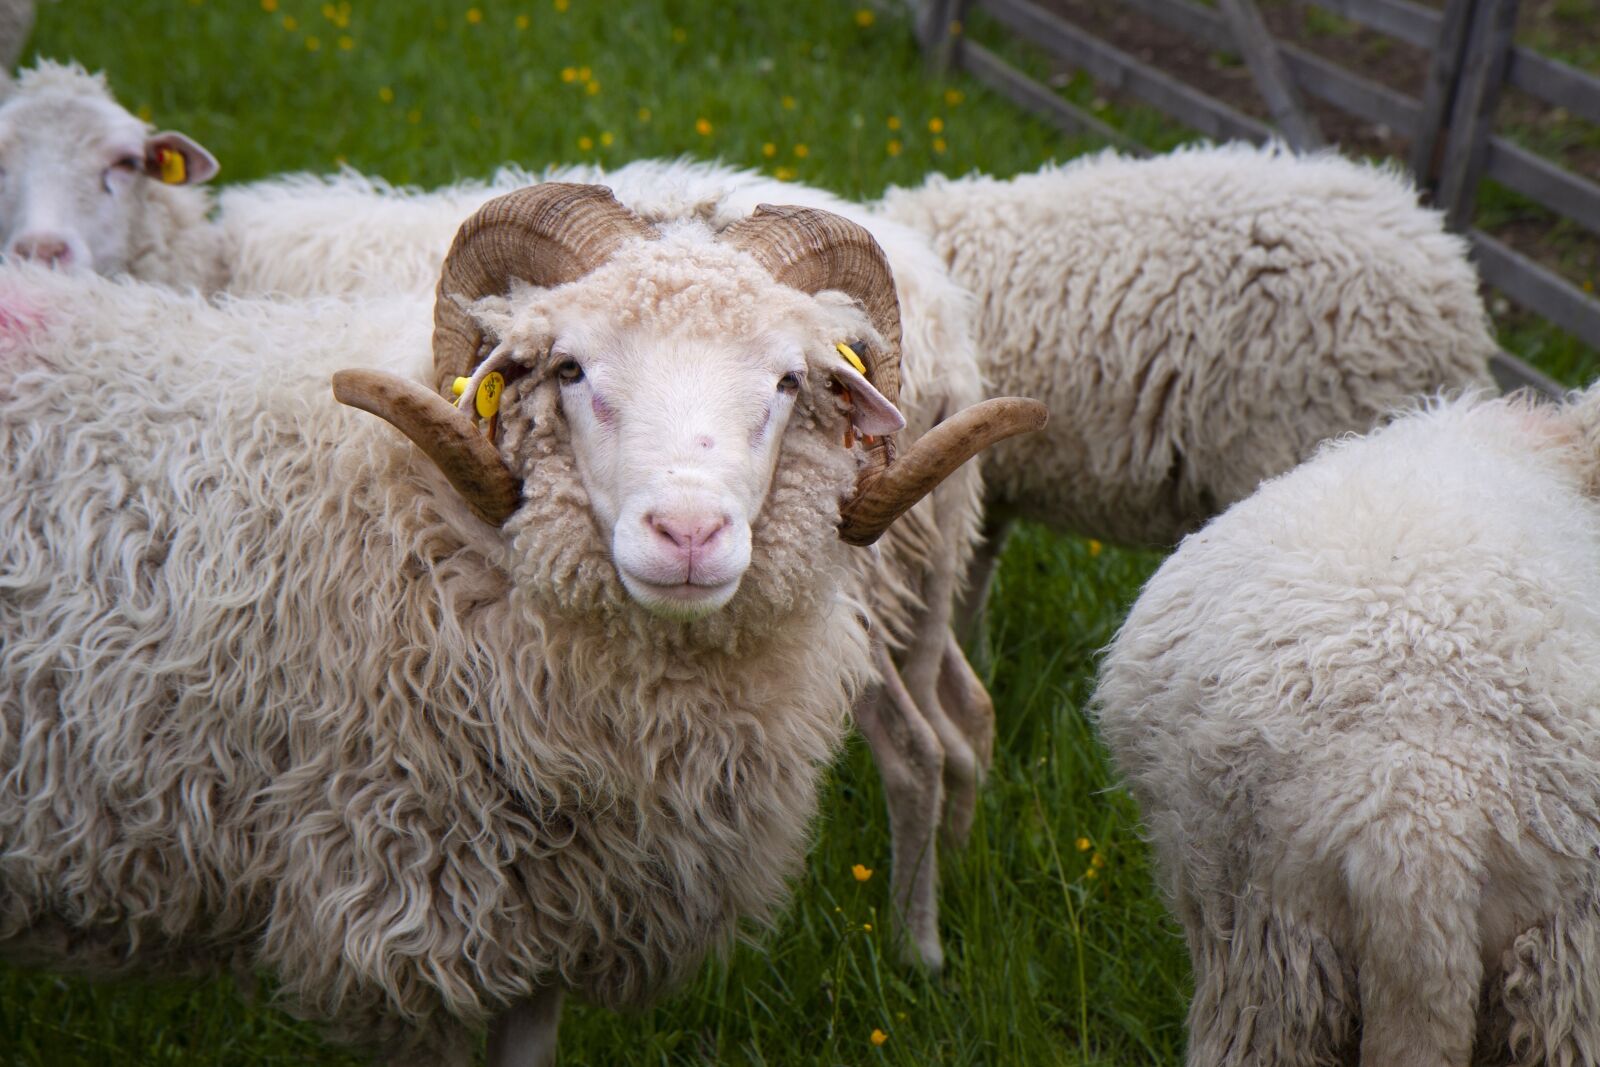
938 31
1482 76
1439 93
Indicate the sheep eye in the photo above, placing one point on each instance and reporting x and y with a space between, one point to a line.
789 383
569 371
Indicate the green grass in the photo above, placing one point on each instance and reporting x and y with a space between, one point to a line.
1048 962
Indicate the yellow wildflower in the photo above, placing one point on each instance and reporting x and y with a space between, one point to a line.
413 116
144 112
584 74
346 43
679 35
386 94
785 174
585 143
936 125
862 872
893 148
878 1037
606 139
953 97
801 151
269 6
569 74
592 88
939 145
867 927
1092 872
522 22
894 122
474 16
1097 861
1082 844
291 23
560 5
312 44
769 149
865 18
956 28
330 12
644 114
702 126
788 103
1588 285
1095 548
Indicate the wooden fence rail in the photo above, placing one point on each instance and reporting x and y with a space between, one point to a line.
1453 146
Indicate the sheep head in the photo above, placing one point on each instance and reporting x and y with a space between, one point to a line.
676 360
72 161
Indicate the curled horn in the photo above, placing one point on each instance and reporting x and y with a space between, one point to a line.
546 235
814 250
883 498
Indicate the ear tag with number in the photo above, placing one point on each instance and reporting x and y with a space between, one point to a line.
488 399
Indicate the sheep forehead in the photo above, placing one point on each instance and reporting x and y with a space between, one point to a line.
70 123
686 281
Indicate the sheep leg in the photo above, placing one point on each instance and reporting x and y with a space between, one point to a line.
910 763
524 1035
1415 906
920 666
965 697
980 575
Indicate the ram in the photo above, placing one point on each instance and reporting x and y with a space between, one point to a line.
438 734
1359 712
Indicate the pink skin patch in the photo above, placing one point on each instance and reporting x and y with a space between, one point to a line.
19 318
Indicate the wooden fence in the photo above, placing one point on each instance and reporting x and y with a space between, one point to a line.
1450 129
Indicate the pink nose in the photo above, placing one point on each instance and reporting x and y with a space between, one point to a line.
688 532
46 248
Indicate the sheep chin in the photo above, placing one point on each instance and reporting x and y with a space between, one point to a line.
685 602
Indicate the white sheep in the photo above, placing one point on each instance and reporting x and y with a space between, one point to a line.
271 691
1361 714
930 722
85 184
1195 322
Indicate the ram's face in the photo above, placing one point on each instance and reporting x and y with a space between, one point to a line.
70 167
676 406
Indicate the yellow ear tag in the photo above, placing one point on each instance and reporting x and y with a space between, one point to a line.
488 398
459 386
174 171
850 357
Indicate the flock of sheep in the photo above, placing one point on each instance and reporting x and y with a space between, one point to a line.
534 696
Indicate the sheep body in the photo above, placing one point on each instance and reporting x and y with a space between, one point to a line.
1358 711
268 692
1196 322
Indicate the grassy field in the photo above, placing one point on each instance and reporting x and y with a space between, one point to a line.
1058 951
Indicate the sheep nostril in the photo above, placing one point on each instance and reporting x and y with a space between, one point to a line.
687 532
51 251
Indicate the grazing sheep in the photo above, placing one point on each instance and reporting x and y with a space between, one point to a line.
85 184
1361 713
1195 323
436 739
930 723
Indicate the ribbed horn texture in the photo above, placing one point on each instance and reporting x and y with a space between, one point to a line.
813 250
445 434
546 235
937 453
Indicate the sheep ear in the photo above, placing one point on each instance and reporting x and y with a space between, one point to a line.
174 159
871 413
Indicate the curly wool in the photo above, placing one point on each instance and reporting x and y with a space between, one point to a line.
1359 712
268 694
1196 322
